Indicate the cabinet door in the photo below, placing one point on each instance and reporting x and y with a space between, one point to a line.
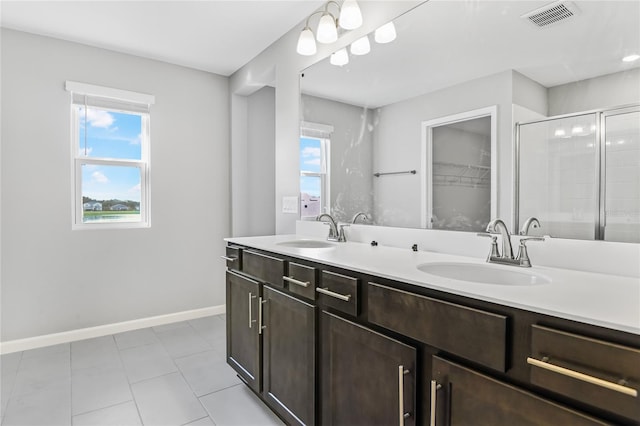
289 357
366 378
466 397
243 328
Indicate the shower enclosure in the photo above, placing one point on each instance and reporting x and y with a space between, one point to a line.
579 174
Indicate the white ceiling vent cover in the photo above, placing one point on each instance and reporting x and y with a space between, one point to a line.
552 13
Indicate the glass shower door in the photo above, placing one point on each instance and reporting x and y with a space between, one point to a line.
621 180
558 176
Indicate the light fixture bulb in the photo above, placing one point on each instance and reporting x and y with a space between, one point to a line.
327 31
631 58
350 15
559 132
386 33
306 43
361 46
339 58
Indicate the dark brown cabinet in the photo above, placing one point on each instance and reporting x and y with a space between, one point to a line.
366 378
331 346
462 396
244 345
289 351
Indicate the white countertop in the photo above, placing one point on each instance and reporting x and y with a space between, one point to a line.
609 301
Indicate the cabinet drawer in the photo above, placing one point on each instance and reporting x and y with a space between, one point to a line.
596 372
340 292
233 257
265 268
302 280
470 333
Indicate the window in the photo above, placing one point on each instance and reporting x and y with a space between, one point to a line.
314 170
110 151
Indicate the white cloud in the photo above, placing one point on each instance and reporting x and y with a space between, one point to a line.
134 189
314 162
310 152
99 118
137 140
99 177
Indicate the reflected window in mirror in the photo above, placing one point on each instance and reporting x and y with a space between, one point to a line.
314 174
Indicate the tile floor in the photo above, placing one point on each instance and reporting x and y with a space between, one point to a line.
174 374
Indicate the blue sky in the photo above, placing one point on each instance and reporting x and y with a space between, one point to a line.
310 161
110 135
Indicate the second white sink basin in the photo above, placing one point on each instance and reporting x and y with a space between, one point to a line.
309 244
484 273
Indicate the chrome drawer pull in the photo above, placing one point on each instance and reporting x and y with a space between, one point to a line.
260 326
328 292
434 389
584 377
251 320
229 259
401 414
294 281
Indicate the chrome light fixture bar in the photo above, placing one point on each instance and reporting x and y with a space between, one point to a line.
349 18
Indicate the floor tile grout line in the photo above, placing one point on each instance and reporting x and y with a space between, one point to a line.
133 396
102 408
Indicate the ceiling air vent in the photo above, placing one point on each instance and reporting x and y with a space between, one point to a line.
552 13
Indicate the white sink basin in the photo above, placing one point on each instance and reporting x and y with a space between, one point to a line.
484 273
308 244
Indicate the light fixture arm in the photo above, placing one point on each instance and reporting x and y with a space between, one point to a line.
306 24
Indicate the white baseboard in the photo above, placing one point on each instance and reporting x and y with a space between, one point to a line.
105 330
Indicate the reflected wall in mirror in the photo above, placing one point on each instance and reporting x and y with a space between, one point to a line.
452 57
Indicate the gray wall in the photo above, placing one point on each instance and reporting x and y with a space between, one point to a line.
260 157
55 279
609 90
351 153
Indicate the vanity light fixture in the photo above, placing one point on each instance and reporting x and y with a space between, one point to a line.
386 33
350 15
327 29
340 57
350 18
361 46
631 58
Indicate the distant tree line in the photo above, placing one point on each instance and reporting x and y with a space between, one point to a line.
107 204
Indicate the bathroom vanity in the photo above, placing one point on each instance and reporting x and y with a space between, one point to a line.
354 334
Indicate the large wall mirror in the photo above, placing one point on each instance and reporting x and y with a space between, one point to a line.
515 58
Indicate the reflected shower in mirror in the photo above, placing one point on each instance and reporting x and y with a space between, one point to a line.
453 57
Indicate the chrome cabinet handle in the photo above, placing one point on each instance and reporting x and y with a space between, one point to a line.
401 414
251 320
328 292
260 326
229 259
294 281
434 389
584 377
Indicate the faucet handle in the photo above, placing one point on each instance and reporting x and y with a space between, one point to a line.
523 255
494 244
341 237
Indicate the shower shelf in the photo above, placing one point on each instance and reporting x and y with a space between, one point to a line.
461 174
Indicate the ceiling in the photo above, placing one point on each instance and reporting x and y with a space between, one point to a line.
443 43
215 36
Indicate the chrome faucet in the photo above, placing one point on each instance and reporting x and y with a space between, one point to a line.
497 225
334 234
531 222
507 258
360 215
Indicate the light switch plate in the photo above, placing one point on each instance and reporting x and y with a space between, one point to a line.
290 205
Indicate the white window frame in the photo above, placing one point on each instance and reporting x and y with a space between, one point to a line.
113 97
321 132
